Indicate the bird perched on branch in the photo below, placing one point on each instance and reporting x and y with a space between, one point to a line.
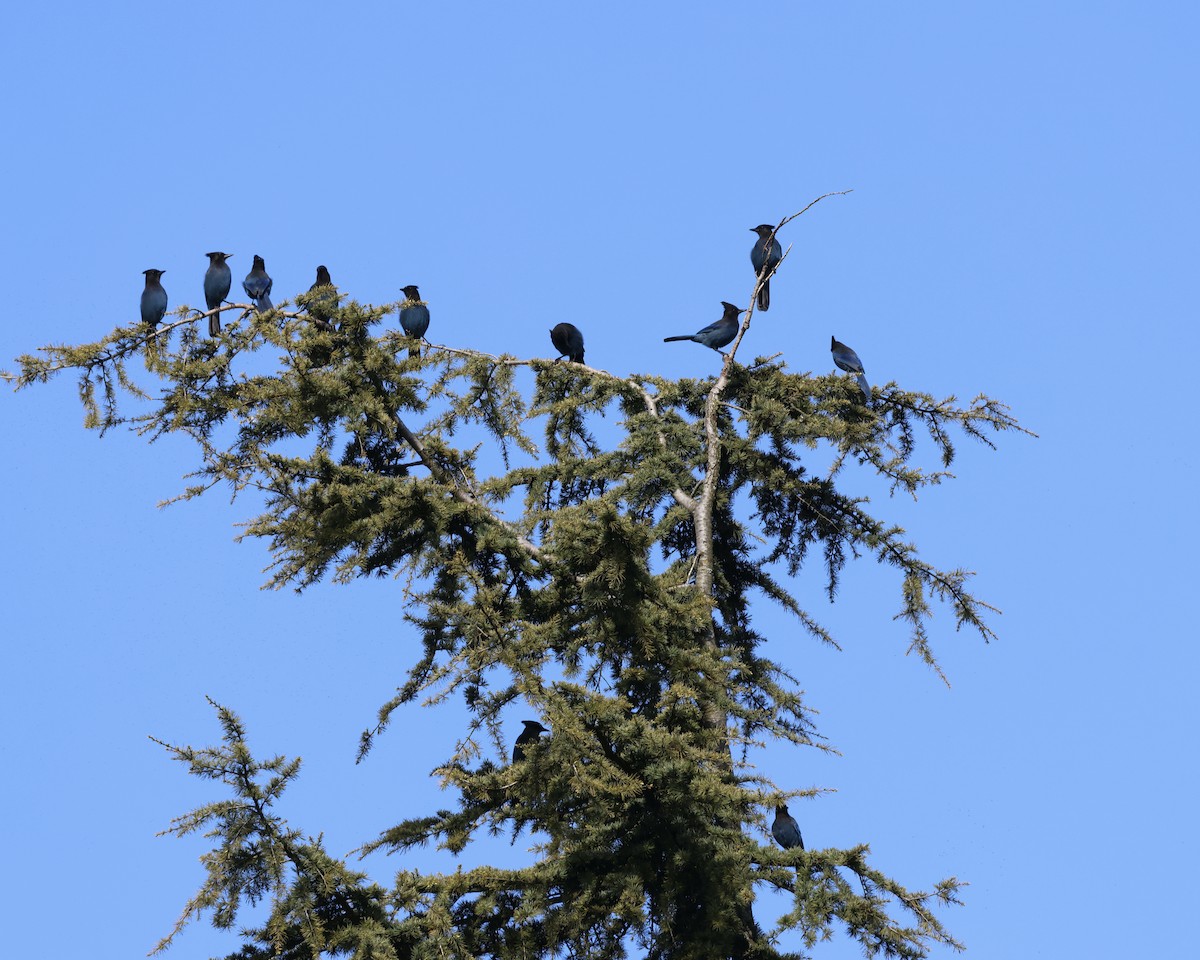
217 281
785 829
258 285
154 299
323 300
414 316
848 360
718 334
568 341
533 730
765 261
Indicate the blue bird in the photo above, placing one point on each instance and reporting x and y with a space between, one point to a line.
321 307
414 316
258 285
716 335
154 299
848 360
532 732
785 829
217 281
762 259
568 341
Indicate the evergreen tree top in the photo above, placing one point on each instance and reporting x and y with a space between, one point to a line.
587 544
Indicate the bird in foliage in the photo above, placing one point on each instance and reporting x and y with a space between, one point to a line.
848 360
568 341
325 301
258 285
154 299
765 261
785 829
414 316
718 334
217 281
533 730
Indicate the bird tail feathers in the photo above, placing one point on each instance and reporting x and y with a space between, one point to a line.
764 296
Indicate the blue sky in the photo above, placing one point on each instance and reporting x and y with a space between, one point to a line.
1022 224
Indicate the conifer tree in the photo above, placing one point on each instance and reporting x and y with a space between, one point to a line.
591 552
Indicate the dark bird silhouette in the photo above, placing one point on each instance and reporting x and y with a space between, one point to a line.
321 307
785 829
154 299
414 316
568 341
716 335
258 285
765 262
533 730
217 281
848 360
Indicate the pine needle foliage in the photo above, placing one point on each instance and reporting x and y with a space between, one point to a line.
592 547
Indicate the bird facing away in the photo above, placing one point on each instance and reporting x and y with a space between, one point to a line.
322 307
785 829
258 285
533 730
154 299
848 360
716 335
568 341
217 281
761 258
414 316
